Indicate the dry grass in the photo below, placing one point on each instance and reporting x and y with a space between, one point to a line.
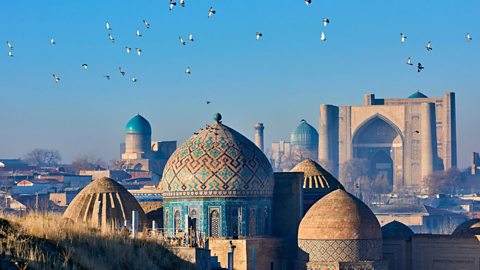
46 241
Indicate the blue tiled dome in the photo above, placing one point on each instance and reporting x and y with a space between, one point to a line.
418 94
138 124
304 134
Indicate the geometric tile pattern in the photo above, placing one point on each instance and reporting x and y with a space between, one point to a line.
342 250
217 162
377 265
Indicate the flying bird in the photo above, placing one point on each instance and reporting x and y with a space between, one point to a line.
121 71
190 37
429 46
172 4
85 66
52 41
403 37
187 71
128 49
180 39
409 61
10 54
323 37
308 2
182 3
208 102
419 67
56 78
138 33
107 25
211 11
111 38
106 77
10 46
134 80
147 25
259 35
139 51
326 21
469 37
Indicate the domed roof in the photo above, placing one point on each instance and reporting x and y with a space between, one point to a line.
217 162
138 124
316 177
339 216
418 94
304 134
396 230
104 203
468 228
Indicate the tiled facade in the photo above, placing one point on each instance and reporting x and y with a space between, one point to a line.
218 217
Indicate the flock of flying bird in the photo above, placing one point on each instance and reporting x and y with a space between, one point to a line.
183 42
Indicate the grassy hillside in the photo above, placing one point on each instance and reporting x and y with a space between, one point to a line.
46 241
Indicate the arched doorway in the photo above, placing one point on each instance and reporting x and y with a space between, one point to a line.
380 142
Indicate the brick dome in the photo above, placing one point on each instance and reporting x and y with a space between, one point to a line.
340 228
396 230
468 228
104 204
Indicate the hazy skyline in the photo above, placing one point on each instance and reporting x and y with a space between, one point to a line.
278 80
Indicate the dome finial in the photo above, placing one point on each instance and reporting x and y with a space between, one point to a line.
217 117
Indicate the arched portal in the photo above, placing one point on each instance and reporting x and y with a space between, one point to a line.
380 142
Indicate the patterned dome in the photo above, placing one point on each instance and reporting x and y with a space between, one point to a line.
304 134
217 162
138 124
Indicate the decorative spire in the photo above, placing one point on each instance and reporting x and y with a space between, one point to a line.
217 117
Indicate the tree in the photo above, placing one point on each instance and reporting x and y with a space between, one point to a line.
327 165
118 164
352 170
449 182
88 163
43 157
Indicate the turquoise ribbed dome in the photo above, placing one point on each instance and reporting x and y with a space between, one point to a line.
418 94
138 124
304 134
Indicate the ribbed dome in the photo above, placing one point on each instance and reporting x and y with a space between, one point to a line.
138 124
468 228
304 134
396 230
339 216
316 177
418 94
217 162
104 204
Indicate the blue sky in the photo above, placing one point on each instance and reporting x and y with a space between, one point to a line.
278 81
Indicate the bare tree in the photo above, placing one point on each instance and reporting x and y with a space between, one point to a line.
43 157
326 164
352 170
87 162
450 182
118 164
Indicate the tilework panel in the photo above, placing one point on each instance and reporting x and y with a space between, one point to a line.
378 265
217 162
225 207
342 250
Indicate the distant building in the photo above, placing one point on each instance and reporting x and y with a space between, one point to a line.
475 170
14 165
404 139
140 153
303 145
